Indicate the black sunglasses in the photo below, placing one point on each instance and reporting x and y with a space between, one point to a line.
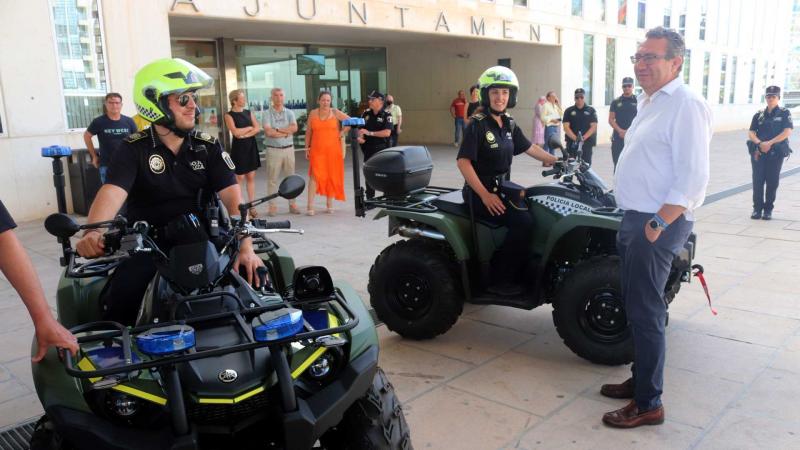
183 99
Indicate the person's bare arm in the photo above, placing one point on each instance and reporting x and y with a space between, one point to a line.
309 134
105 206
612 120
541 154
18 269
238 133
453 111
568 132
380 134
87 140
340 116
766 146
255 128
272 132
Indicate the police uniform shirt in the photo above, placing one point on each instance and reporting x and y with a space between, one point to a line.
376 122
579 120
490 147
162 185
625 110
6 222
767 125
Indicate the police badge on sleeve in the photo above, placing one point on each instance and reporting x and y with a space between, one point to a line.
228 161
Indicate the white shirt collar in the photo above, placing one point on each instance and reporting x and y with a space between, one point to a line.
668 89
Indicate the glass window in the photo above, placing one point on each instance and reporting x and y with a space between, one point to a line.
733 80
596 10
703 15
722 74
611 61
203 54
706 65
588 66
523 3
80 55
622 12
577 8
687 64
752 81
640 19
349 75
766 77
667 16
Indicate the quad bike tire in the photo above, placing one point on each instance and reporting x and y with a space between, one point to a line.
374 422
45 437
413 289
589 315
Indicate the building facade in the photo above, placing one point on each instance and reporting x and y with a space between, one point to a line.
422 51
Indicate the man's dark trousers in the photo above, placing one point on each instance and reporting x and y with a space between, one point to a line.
645 268
767 170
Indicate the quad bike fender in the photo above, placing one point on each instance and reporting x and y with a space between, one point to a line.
435 221
282 266
363 336
53 385
76 300
561 233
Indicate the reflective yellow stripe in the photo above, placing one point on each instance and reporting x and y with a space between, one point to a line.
141 394
86 365
230 401
302 367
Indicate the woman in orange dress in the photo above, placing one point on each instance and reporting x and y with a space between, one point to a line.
325 153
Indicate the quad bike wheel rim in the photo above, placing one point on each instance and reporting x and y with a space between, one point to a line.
410 296
603 317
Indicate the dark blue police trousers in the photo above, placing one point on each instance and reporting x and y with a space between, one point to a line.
645 268
766 171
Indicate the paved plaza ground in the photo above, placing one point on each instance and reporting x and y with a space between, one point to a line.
501 378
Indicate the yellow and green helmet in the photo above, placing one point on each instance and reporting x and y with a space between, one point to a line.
498 77
155 81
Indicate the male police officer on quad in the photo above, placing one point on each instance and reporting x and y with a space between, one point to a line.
160 171
490 142
769 132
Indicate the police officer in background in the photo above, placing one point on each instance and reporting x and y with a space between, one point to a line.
768 146
490 142
580 118
161 171
377 131
622 112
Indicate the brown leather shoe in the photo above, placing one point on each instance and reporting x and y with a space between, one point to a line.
622 390
630 417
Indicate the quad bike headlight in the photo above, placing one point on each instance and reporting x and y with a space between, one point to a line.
122 405
321 367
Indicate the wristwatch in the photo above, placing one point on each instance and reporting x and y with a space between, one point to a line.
657 223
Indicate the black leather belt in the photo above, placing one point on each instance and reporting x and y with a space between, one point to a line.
281 148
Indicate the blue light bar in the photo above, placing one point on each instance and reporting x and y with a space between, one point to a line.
56 151
317 318
279 324
112 356
353 122
166 340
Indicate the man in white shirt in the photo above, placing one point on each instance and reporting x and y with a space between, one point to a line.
661 179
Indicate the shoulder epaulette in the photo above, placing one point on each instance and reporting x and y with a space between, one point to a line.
203 136
479 116
133 137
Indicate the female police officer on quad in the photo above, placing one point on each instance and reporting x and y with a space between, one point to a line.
490 142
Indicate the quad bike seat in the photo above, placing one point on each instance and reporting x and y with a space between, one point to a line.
453 203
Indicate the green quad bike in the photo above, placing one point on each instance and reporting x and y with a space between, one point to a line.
213 362
418 286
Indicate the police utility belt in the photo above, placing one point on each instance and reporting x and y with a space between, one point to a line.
508 191
779 149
